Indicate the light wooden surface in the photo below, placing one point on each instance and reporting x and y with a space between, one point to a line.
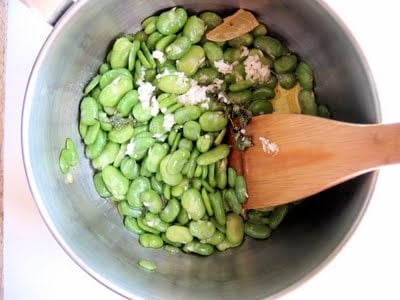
314 154
3 15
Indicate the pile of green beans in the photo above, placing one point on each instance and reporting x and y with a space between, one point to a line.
173 186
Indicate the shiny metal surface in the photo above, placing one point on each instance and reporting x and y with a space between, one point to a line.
89 228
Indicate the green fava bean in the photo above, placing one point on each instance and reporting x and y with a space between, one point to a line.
205 76
171 21
151 200
285 64
120 53
287 81
115 182
202 229
234 228
172 249
323 111
145 228
126 210
129 168
226 244
214 155
171 211
191 130
178 48
233 201
92 84
149 240
167 177
155 156
307 103
147 265
88 111
92 133
218 208
100 186
128 101
241 189
241 85
157 185
269 45
113 93
177 190
212 121
257 231
240 41
260 30
232 55
231 177
142 114
198 248
193 204
215 239
177 161
164 42
213 52
131 224
191 61
240 98
107 156
121 134
204 143
187 113
277 215
110 75
194 29
179 234
104 68
94 150
260 107
138 185
264 93
174 84
153 221
221 175
272 82
211 19
305 76
185 144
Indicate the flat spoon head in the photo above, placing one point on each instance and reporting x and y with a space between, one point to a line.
296 156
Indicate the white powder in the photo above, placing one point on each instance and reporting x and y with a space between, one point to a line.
169 121
255 70
223 67
154 106
195 95
146 90
269 146
159 55
130 148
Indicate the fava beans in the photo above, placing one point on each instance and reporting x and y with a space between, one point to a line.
154 119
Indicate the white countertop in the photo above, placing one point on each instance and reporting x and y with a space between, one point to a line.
35 266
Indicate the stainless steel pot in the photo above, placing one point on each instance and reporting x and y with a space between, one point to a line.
89 228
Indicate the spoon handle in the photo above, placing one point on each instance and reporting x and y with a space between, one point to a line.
314 154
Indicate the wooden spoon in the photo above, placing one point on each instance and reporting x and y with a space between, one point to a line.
296 156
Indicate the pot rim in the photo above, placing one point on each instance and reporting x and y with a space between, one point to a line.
27 103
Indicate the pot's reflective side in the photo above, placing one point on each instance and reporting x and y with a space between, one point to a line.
90 229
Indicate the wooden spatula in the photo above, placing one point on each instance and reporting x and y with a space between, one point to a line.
295 156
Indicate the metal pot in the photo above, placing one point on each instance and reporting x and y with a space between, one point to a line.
90 229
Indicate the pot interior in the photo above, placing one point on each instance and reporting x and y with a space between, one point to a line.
90 229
